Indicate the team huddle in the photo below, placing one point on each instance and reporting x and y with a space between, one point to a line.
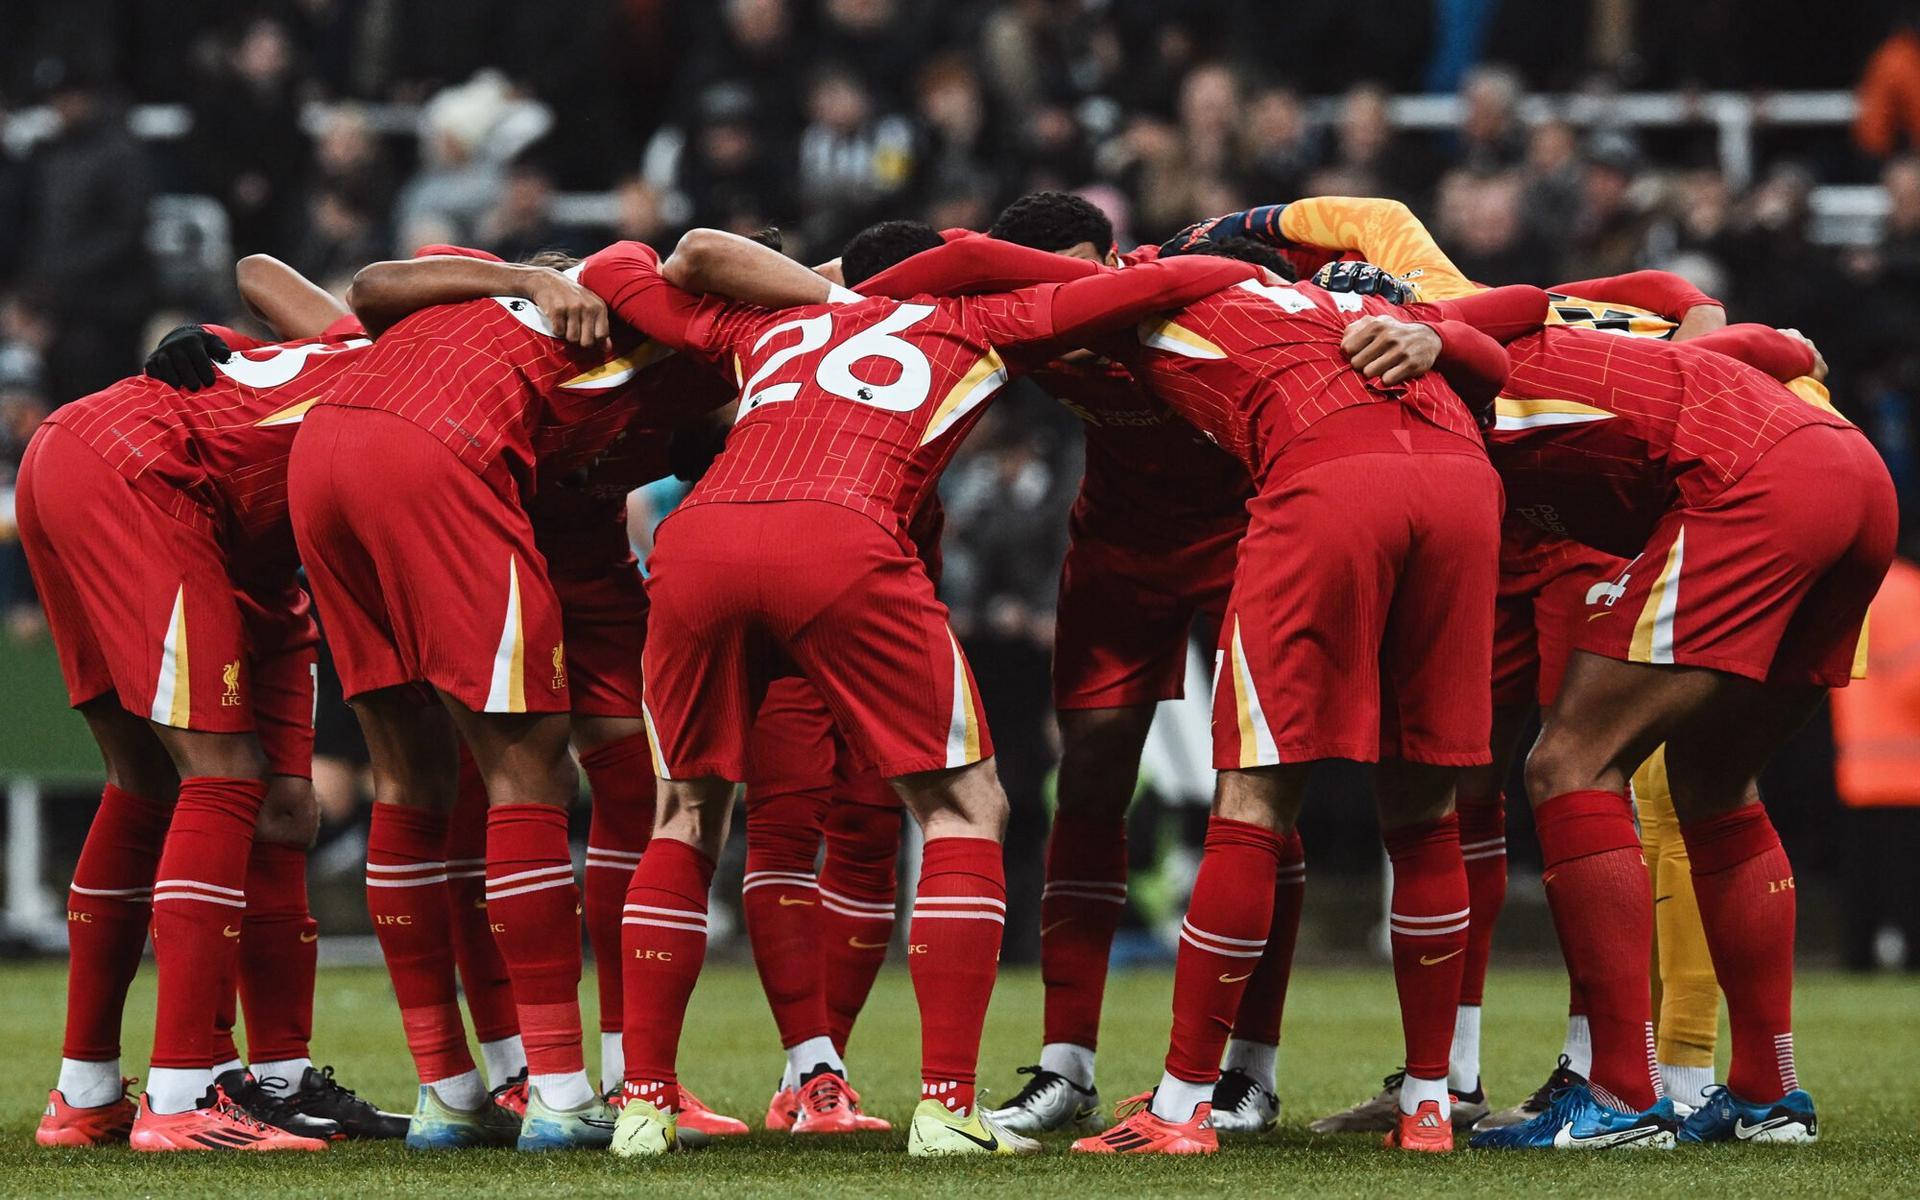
1414 509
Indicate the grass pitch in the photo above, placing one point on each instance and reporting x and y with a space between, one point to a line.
1859 1053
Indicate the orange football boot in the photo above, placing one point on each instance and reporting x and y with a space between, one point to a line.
222 1125
107 1124
1424 1130
695 1117
782 1109
825 1106
1140 1132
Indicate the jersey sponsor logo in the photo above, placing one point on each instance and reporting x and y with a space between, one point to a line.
230 679
1542 516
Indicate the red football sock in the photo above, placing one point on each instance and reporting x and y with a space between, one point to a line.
1744 883
857 886
1602 906
780 899
222 1047
1080 907
534 907
959 915
1221 943
109 908
620 776
199 904
279 950
483 973
1483 846
1265 998
1427 925
407 897
664 939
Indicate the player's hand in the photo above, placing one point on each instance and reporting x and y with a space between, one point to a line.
1192 235
1389 350
185 357
1363 279
576 315
1819 372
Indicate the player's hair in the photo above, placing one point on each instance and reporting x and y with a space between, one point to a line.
770 237
1053 221
881 245
558 260
1243 249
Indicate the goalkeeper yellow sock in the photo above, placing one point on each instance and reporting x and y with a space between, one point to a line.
1688 994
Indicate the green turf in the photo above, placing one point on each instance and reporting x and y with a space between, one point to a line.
1859 1052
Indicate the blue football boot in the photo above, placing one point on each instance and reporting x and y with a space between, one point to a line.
1725 1117
1574 1120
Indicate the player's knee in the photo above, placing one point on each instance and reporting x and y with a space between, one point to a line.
1100 758
959 802
784 830
1554 767
290 815
694 811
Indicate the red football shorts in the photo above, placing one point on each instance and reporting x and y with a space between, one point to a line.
1769 580
604 616
1535 620
794 747
141 607
1125 614
422 571
1362 613
744 593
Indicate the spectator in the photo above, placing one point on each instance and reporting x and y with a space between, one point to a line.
1278 147
468 134
248 145
853 157
349 159
338 237
1889 91
1553 180
957 147
1610 231
1491 136
1483 225
83 253
522 223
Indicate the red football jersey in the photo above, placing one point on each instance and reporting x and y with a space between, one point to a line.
862 404
218 457
1256 365
1598 434
482 375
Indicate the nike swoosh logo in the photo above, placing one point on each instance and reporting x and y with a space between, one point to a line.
480 903
1047 929
988 1143
1434 962
1598 615
1743 1131
789 902
1236 978
230 931
1620 1137
857 944
1661 899
309 937
596 1124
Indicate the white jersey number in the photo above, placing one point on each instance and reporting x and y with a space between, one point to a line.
835 373
280 366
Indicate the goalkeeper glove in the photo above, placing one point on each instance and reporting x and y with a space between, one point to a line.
185 357
1364 279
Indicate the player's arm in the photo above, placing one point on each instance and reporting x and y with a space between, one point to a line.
627 275
726 264
972 265
1662 292
292 305
1782 353
1108 299
1394 351
384 292
1502 313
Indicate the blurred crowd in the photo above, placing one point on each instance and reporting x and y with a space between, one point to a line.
821 115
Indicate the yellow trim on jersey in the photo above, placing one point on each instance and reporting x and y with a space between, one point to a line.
1653 632
507 690
653 740
1591 314
1859 670
982 380
292 414
616 371
1163 334
173 691
1513 414
1815 393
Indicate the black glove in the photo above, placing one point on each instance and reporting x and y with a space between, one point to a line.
185 357
691 450
1363 279
1262 224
